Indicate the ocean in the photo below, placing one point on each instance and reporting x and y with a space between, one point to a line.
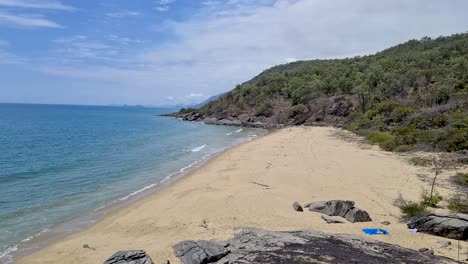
60 163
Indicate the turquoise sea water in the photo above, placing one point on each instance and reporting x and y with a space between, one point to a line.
58 162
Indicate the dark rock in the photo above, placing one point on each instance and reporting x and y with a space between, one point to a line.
166 262
199 252
453 226
297 207
301 247
357 215
385 223
332 208
192 116
88 247
330 220
129 257
426 251
342 208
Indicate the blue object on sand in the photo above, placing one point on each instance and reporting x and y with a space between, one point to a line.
375 231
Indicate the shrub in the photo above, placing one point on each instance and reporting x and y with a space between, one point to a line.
400 113
383 108
458 202
440 120
409 208
461 179
297 109
187 110
421 162
405 135
460 119
432 137
429 201
457 139
264 108
384 140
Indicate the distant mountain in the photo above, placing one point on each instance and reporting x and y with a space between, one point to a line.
406 97
212 98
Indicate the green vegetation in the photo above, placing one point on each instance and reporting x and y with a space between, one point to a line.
421 162
412 95
458 202
411 209
430 201
187 110
462 179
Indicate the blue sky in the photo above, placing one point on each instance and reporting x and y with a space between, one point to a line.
160 52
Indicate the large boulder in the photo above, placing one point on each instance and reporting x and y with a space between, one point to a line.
357 215
341 208
199 252
332 208
129 257
453 226
258 246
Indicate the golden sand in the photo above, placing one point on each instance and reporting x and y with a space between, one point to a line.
254 184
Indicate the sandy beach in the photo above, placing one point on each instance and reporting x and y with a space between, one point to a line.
254 184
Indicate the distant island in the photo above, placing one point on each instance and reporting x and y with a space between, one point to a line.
411 96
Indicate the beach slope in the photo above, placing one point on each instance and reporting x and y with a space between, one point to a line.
254 184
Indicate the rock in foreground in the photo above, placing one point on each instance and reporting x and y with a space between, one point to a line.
197 252
453 226
261 247
129 257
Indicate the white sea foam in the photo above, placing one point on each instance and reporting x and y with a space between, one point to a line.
198 148
139 191
27 239
228 134
5 256
251 137
238 131
165 179
189 166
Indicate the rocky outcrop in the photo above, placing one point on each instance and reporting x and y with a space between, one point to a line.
198 252
258 246
453 226
225 120
341 208
129 257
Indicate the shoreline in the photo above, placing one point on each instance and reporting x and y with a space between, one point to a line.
78 224
213 199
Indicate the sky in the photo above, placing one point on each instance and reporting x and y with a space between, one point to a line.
168 52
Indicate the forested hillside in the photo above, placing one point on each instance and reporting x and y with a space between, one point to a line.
412 95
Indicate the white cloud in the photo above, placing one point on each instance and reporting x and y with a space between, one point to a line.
163 5
81 47
123 14
194 95
42 4
223 45
122 40
26 21
8 58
